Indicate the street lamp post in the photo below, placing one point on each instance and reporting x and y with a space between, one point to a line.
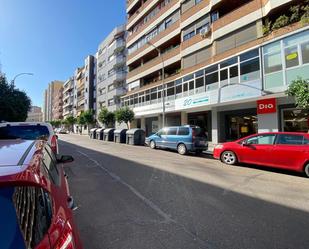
163 83
13 81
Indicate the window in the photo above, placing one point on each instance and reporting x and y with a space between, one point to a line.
162 132
273 62
111 87
290 139
305 52
28 132
249 55
291 57
262 139
250 70
199 82
111 102
50 164
112 57
183 131
172 131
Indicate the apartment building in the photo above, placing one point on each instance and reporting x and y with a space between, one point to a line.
68 97
49 96
111 69
213 64
35 114
57 105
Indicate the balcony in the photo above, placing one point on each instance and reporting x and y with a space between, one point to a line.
195 9
236 14
154 62
118 77
152 20
157 38
119 61
140 10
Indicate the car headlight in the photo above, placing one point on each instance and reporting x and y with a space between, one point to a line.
219 146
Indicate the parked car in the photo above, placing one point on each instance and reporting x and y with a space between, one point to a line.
286 150
29 131
36 206
184 139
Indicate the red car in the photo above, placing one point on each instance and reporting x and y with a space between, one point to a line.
36 207
285 150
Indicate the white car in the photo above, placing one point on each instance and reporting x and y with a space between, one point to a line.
29 131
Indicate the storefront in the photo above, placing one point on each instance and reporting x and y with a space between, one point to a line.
201 119
293 119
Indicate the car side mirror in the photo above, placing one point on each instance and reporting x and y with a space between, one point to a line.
56 136
65 159
244 143
158 135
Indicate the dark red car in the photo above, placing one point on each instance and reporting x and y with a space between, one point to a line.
286 150
35 204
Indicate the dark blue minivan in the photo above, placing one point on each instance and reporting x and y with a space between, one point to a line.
184 139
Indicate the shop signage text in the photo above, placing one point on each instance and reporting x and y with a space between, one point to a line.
265 106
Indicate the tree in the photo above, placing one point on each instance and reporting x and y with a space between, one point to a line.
70 121
299 89
125 115
14 104
106 117
88 117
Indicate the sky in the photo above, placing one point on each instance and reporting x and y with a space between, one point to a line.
51 38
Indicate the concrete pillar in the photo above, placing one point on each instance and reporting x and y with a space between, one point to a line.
160 121
214 126
143 123
184 118
268 122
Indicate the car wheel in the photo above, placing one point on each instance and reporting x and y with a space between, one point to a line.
306 169
182 149
152 144
229 157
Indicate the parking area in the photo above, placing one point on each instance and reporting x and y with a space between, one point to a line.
136 197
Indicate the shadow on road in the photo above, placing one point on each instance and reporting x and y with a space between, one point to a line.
124 204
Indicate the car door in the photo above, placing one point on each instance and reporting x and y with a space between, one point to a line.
159 137
171 138
290 151
258 149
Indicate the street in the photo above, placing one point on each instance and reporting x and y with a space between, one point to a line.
135 197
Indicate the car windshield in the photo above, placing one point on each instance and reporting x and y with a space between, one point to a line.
199 132
27 132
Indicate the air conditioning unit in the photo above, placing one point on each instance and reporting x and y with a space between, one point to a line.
205 31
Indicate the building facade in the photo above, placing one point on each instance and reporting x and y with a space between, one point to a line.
222 71
49 96
57 110
111 70
68 97
35 114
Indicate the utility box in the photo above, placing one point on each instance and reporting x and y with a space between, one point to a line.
93 133
99 133
120 136
135 137
109 134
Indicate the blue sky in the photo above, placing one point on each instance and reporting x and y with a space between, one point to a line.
50 38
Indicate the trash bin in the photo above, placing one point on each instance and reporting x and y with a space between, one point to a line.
109 134
120 136
135 137
93 133
99 133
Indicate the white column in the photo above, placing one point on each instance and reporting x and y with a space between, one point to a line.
214 126
268 122
184 118
143 123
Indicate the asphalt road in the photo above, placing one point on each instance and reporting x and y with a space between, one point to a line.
135 197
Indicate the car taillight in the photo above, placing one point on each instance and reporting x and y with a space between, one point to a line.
66 240
193 135
54 144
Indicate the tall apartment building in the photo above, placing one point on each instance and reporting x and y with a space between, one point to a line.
111 69
35 114
222 71
57 106
68 97
49 96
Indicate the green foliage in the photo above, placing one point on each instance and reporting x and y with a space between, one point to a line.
106 117
14 104
280 22
295 13
81 119
55 123
88 117
124 115
267 27
305 17
70 120
299 89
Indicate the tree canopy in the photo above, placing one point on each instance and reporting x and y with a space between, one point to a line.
124 115
14 104
299 89
106 117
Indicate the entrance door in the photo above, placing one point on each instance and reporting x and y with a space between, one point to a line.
238 126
